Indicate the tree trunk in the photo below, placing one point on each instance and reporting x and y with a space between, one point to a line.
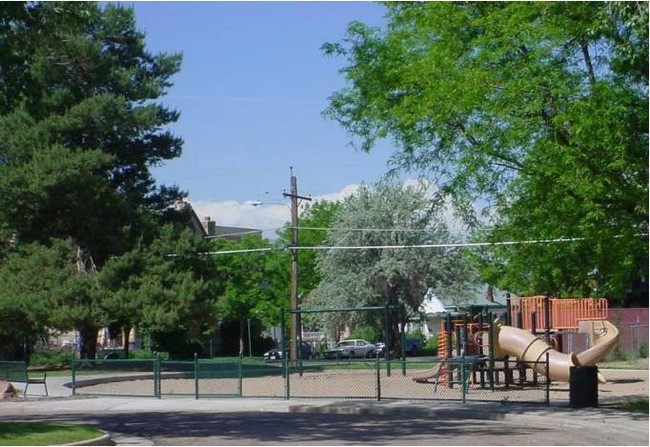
590 69
88 335
126 334
88 331
242 323
393 322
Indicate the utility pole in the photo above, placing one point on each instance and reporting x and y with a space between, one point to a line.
293 331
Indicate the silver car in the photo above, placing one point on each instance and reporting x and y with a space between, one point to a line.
351 349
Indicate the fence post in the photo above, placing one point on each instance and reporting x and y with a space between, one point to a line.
299 341
156 376
73 371
378 370
491 350
636 342
240 386
548 381
388 341
285 360
462 375
196 376
402 337
287 385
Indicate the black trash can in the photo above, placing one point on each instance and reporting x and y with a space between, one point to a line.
583 386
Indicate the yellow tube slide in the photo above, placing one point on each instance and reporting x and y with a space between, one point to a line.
527 347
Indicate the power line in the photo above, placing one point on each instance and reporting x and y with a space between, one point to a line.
421 246
238 233
230 252
378 230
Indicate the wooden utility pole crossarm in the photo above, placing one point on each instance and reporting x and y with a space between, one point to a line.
293 345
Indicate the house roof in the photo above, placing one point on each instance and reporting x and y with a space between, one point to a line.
208 228
432 304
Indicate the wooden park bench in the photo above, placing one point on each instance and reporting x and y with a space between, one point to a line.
17 372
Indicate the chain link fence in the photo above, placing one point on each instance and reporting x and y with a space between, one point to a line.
136 378
632 345
458 379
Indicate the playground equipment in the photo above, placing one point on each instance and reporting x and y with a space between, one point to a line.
527 347
480 343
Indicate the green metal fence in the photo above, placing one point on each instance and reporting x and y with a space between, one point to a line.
458 379
116 377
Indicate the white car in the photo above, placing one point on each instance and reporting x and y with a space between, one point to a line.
351 349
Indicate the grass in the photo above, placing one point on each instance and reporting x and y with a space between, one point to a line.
641 363
637 406
37 433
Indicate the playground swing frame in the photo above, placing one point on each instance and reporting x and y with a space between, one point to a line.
387 324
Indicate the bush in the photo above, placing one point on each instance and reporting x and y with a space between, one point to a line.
145 354
643 351
617 355
415 334
51 358
365 332
431 347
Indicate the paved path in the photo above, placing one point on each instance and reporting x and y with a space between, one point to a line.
233 421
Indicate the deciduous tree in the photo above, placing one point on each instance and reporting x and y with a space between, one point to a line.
538 110
373 274
256 283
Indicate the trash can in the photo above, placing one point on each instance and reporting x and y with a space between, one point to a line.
583 386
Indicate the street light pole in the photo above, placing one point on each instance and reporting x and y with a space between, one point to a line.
293 331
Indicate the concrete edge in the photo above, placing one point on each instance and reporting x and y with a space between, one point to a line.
476 411
374 409
104 439
80 383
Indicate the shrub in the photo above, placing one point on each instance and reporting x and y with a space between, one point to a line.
643 350
415 334
431 347
617 355
51 358
364 332
145 354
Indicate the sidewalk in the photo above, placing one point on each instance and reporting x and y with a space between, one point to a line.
164 417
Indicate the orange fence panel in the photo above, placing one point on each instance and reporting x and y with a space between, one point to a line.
565 313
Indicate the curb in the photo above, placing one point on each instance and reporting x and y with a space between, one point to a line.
447 411
104 439
114 439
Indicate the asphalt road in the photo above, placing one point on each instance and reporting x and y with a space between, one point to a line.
188 422
250 421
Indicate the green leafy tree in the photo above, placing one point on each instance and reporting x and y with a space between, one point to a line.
537 110
314 220
122 278
35 279
256 287
176 291
79 129
375 275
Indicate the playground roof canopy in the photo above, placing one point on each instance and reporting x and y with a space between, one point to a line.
433 304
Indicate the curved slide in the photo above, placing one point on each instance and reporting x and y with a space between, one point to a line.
527 347
427 375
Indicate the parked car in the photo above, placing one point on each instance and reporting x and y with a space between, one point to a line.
111 354
413 346
351 349
273 354
307 353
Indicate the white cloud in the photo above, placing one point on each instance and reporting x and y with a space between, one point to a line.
340 195
267 217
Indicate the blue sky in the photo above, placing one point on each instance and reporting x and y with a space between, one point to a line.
251 90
